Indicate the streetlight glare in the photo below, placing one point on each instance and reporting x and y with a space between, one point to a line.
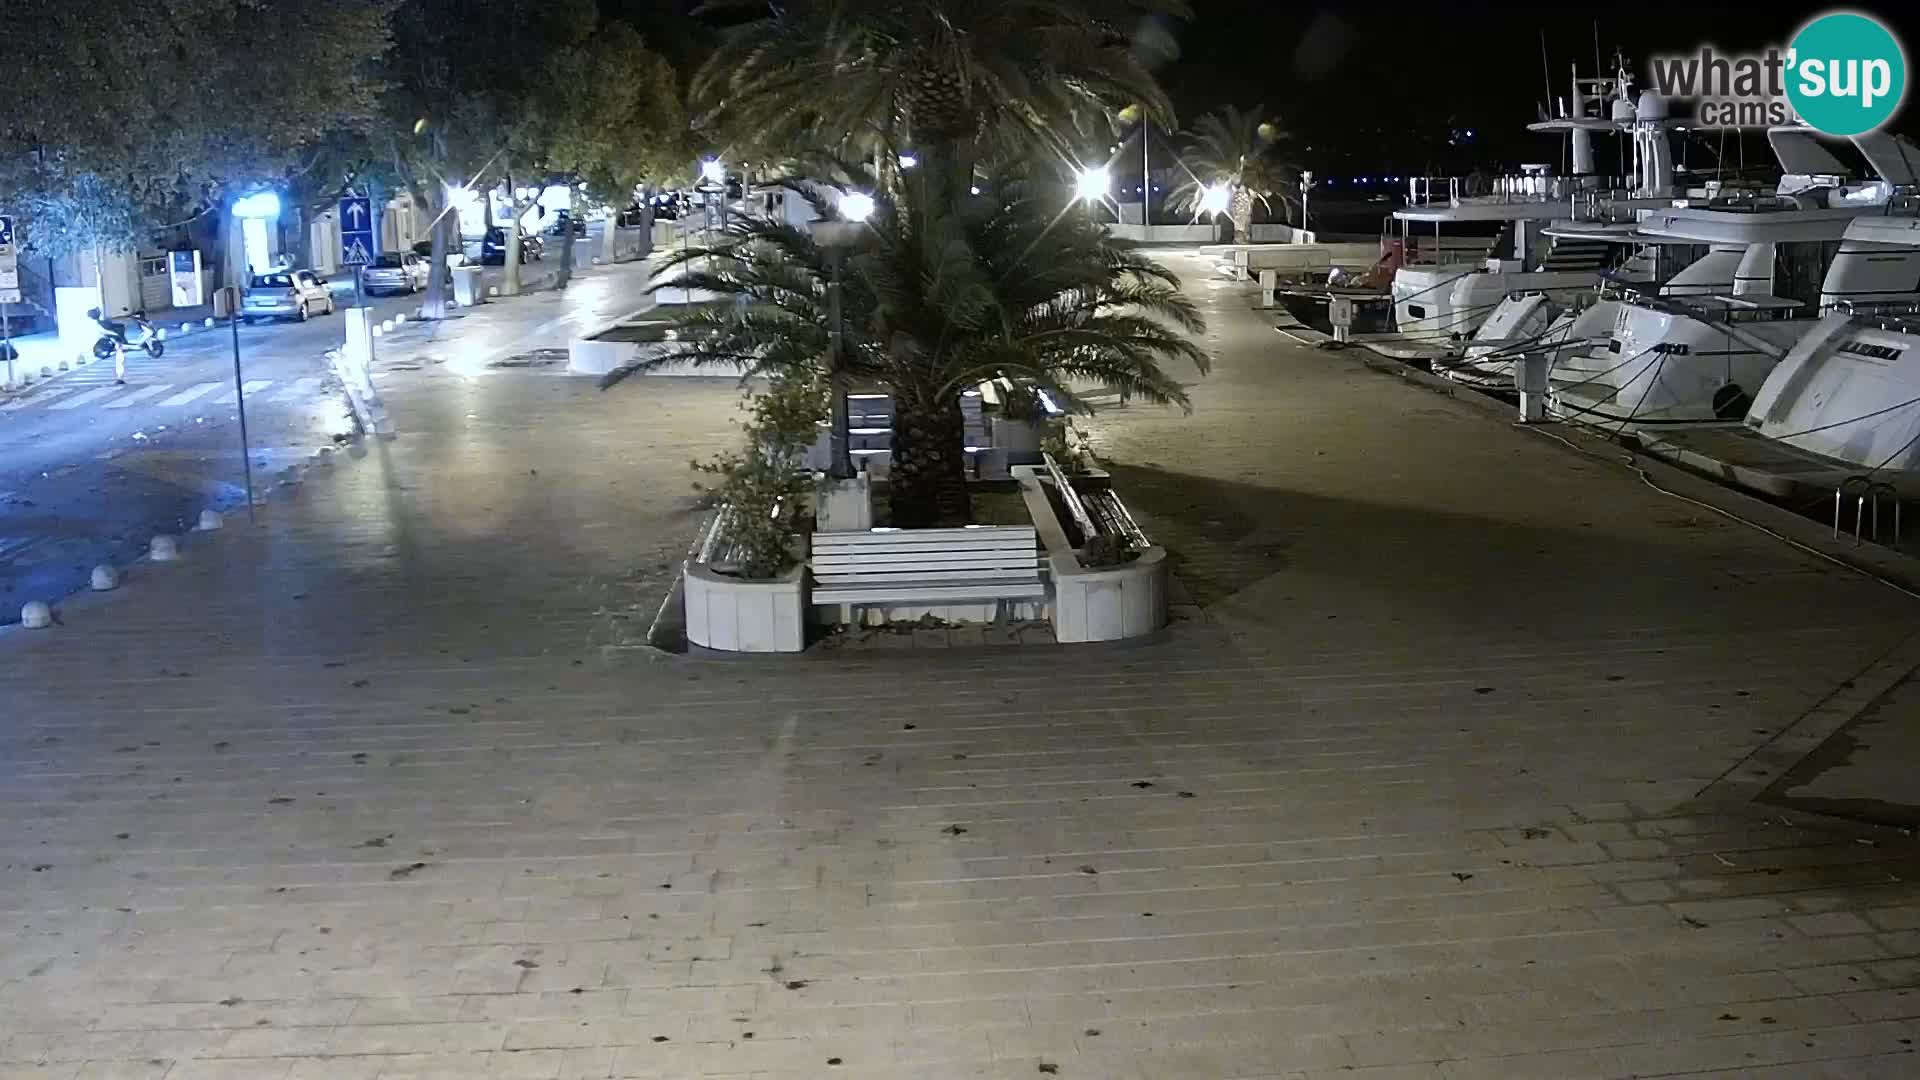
260 204
1092 183
1215 199
713 170
856 206
908 161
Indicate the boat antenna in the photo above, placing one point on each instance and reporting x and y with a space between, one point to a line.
1598 70
1546 71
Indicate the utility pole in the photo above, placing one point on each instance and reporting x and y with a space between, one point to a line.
229 298
1146 171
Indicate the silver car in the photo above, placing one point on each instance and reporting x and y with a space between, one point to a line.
396 272
286 294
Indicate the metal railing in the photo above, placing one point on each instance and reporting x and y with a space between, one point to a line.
1510 188
1864 489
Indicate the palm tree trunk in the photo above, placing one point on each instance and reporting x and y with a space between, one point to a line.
928 476
1242 212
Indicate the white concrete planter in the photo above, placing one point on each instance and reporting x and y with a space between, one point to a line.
732 614
626 340
1106 603
1018 437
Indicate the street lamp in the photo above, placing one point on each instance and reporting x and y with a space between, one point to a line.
713 170
1092 183
1215 199
837 238
908 161
1306 185
856 206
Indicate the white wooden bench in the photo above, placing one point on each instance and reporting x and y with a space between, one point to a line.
926 566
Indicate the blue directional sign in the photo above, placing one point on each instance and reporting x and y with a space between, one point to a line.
357 245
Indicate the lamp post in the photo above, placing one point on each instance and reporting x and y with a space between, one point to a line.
1306 185
839 237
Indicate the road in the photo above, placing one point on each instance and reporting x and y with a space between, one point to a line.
91 470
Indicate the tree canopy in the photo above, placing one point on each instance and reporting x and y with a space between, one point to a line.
122 115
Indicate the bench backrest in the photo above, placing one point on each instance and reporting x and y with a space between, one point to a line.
886 556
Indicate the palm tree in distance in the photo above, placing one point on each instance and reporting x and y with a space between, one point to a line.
938 299
960 83
1233 150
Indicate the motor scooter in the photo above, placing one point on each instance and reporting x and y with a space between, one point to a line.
114 336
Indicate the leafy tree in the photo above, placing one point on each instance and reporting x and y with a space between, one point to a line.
610 115
1234 149
573 98
938 299
165 110
613 115
460 76
962 83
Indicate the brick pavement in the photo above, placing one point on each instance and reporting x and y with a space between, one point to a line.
378 788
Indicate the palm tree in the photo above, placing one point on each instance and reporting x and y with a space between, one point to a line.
936 300
962 83
1234 150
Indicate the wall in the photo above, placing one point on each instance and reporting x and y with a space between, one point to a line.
1201 233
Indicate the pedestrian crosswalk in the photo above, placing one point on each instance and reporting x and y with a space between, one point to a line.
60 397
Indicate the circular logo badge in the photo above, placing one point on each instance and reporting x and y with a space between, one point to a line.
1848 74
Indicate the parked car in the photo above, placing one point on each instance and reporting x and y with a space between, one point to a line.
394 272
563 221
286 294
456 254
493 249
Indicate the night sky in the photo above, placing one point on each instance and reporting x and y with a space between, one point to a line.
1381 86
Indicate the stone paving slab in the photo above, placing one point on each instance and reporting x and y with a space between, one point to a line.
376 789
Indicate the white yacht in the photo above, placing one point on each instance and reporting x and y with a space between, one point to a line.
1703 356
1542 322
1447 286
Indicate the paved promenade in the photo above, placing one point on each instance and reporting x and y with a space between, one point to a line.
383 788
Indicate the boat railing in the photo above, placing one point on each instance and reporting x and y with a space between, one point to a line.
1900 312
1512 188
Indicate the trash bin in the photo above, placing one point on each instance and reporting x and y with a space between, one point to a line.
467 290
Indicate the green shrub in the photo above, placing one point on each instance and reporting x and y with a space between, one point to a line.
764 489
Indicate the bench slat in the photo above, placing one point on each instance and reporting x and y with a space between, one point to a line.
885 595
927 560
937 578
884 539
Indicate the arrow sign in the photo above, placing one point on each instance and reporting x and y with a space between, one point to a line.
355 214
357 243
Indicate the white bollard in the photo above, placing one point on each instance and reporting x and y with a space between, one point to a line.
105 578
163 548
493 290
1530 378
160 333
210 521
64 366
400 318
376 331
209 323
186 328
36 615
46 372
